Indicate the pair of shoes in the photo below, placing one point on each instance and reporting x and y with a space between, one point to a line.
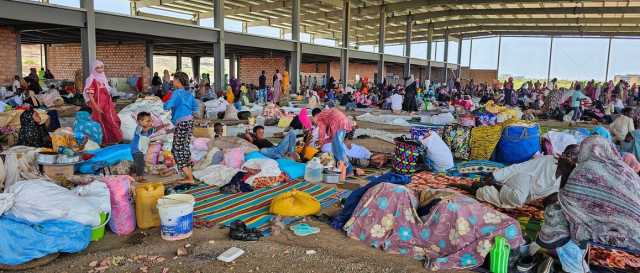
546 264
238 231
525 264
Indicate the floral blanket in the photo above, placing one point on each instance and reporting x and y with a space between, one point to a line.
457 233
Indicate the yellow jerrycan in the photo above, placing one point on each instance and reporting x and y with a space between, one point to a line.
147 196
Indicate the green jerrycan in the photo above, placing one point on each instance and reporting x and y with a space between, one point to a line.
499 256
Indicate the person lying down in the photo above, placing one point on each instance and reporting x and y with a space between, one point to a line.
518 184
359 155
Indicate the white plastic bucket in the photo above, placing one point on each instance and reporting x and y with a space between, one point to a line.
176 216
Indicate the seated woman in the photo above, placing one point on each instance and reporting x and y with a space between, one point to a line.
514 186
85 126
33 132
598 202
447 229
359 156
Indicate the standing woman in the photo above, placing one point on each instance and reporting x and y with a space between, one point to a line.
277 86
97 97
166 81
285 83
410 95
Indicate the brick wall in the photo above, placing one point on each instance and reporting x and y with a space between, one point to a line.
480 75
251 67
7 55
121 60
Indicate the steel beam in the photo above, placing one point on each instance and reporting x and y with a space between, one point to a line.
218 46
296 54
45 14
470 51
88 37
407 47
344 59
381 37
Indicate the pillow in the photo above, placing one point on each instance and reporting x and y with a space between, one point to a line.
254 155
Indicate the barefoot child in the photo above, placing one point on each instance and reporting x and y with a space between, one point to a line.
140 143
182 105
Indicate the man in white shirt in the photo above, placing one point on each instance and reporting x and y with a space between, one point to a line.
396 103
438 155
622 125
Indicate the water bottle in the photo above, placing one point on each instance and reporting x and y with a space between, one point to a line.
313 171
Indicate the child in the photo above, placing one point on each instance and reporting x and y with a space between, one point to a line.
140 143
182 105
218 129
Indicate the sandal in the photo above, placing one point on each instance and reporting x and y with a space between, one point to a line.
238 231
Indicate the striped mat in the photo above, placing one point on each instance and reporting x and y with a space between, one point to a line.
251 207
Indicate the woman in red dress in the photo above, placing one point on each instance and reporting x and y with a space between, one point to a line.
97 96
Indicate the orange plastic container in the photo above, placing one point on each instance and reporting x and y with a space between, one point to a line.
147 196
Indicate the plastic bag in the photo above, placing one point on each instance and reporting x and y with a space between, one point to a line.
41 200
265 168
216 175
123 217
234 158
95 193
6 202
23 241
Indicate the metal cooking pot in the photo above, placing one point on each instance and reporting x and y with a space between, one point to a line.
47 158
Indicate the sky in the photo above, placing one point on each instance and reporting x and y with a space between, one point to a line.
571 58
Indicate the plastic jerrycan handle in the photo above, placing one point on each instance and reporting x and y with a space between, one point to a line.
499 260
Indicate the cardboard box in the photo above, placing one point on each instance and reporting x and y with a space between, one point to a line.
58 173
204 132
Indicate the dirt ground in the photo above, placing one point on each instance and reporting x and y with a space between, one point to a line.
282 253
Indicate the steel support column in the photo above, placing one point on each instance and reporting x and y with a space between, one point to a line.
218 47
344 58
18 54
195 65
328 75
550 55
459 62
88 37
470 51
232 67
178 60
429 50
446 58
407 46
499 48
296 54
381 36
148 54
606 73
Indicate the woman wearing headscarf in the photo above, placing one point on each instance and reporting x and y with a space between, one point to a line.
409 103
32 132
166 81
33 81
277 86
285 83
97 97
598 202
314 100
85 126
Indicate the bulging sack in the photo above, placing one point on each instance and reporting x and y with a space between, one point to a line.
518 143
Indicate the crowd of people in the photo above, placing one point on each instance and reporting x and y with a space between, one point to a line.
577 187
